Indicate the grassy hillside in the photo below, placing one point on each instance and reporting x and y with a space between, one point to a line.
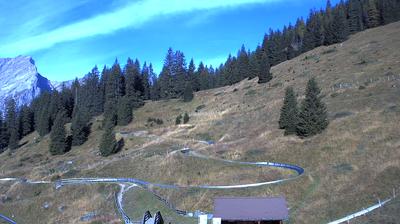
354 162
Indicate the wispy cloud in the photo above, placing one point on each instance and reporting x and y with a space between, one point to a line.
131 15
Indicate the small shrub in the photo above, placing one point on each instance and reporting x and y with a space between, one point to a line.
278 84
361 87
333 95
186 118
343 168
329 51
178 119
205 136
155 120
342 114
251 92
200 108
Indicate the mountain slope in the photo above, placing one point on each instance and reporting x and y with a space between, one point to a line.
349 166
19 79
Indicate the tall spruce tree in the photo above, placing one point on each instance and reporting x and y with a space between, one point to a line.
58 141
180 73
114 90
373 15
191 73
91 94
154 87
134 83
12 126
3 134
188 94
27 120
390 10
313 36
265 75
146 81
339 24
313 117
108 144
254 63
289 112
80 127
124 113
243 64
329 31
355 16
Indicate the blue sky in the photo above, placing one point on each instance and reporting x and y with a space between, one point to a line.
67 38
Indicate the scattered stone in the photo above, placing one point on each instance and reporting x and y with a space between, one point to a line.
4 198
343 85
342 114
46 205
88 216
62 208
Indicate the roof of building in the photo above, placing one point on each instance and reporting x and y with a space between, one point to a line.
250 209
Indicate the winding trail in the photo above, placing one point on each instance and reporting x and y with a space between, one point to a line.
6 219
128 183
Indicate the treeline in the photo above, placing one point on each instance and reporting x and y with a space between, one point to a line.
116 91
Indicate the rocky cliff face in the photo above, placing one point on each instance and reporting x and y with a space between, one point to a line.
19 79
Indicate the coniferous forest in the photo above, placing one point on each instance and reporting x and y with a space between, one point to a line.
117 90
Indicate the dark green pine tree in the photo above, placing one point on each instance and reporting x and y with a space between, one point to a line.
80 127
154 86
191 75
243 66
180 74
390 10
230 70
355 16
186 118
58 142
134 84
289 112
188 93
114 90
12 126
42 113
202 72
3 134
146 81
115 83
254 63
67 99
178 119
313 117
124 113
339 24
329 31
108 144
27 120
265 75
313 36
166 79
91 94
373 15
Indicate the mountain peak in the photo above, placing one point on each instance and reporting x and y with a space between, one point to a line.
20 80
